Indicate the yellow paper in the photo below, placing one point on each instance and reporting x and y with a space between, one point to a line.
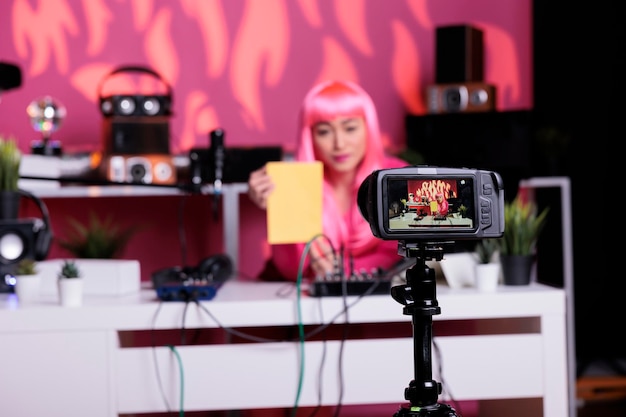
294 208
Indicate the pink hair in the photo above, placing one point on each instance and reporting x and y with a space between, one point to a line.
325 102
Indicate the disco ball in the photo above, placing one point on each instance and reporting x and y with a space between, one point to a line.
46 115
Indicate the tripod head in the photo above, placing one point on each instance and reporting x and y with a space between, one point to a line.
418 296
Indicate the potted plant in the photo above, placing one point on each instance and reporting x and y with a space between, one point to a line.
27 280
98 239
486 250
523 224
463 210
487 265
70 284
10 159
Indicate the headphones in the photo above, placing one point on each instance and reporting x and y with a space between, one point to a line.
212 270
135 104
33 237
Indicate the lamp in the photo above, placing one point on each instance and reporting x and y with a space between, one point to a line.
46 115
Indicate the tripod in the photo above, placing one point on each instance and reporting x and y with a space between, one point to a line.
418 296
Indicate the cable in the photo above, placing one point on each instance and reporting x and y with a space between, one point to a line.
321 368
182 380
154 358
181 230
443 383
344 298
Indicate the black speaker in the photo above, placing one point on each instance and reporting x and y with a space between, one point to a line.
135 104
458 54
10 76
136 135
28 238
135 123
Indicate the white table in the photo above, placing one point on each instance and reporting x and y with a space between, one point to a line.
69 362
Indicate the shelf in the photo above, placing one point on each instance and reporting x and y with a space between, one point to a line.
230 201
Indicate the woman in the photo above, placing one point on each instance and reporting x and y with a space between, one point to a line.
339 127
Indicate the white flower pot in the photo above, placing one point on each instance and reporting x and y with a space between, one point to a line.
70 292
487 277
27 288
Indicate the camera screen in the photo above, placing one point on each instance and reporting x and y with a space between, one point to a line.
430 205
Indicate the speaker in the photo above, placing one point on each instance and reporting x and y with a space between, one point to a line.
140 169
136 135
135 123
458 54
460 98
135 104
25 238
10 76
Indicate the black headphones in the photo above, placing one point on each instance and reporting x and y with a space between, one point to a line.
34 234
135 105
215 269
43 234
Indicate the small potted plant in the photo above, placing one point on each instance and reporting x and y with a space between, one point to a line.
27 280
70 284
487 266
10 159
523 224
486 250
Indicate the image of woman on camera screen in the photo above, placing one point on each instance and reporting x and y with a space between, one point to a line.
339 127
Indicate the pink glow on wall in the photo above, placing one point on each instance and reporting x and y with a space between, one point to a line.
243 66
99 18
311 12
214 35
43 32
259 56
336 62
351 17
405 68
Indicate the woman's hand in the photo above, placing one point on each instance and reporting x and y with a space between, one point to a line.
323 258
260 186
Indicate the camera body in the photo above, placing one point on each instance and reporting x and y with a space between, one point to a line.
427 203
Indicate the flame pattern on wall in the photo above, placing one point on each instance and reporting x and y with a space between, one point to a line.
245 65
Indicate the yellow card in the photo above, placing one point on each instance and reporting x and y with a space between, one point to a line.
294 208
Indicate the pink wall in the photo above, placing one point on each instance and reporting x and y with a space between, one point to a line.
242 66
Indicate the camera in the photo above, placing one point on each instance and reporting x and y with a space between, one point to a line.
427 203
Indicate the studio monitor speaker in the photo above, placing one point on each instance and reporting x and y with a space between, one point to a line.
461 98
458 54
136 123
140 169
136 135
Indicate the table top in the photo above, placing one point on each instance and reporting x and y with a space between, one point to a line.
241 304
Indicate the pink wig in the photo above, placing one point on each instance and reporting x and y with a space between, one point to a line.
325 102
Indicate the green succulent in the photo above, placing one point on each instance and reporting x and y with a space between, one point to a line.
69 269
26 266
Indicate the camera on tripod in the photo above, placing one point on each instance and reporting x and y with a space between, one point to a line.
426 203
423 207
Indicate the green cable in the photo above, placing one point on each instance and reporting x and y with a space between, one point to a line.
182 380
